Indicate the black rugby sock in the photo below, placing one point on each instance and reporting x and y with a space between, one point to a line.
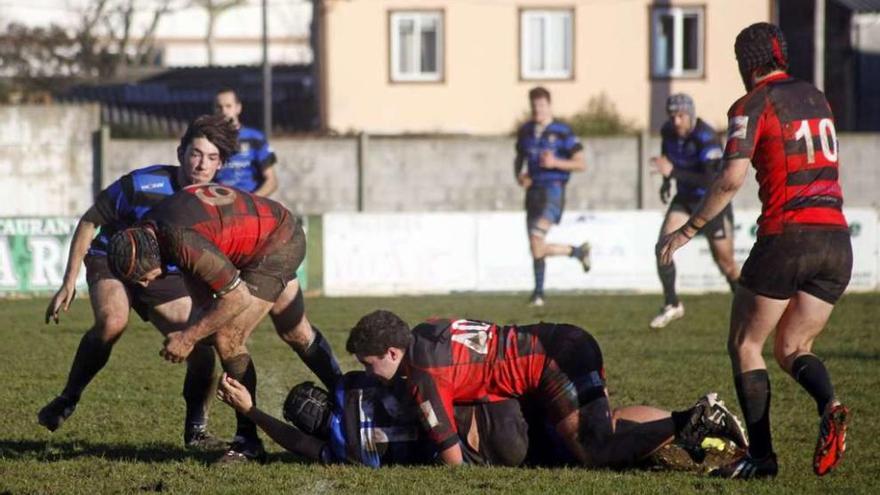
198 386
91 356
539 265
753 391
320 359
667 278
242 368
809 371
576 252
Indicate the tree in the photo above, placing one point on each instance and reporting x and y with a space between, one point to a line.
107 37
214 8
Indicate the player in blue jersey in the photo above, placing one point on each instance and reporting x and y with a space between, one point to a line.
547 152
691 154
251 168
367 422
206 144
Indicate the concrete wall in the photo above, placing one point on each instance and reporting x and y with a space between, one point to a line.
46 176
46 159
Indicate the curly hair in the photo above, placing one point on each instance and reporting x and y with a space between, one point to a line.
376 332
217 129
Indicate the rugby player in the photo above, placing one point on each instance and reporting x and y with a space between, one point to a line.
252 167
690 153
551 152
462 361
239 252
375 424
207 143
802 259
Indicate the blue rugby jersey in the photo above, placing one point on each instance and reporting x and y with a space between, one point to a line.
244 170
700 152
558 138
375 425
127 200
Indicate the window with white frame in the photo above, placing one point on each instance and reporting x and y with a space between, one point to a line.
417 46
677 40
546 44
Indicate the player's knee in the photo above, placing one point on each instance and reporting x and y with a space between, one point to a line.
109 329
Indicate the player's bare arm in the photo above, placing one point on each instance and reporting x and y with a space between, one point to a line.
79 246
270 182
178 345
451 456
722 191
576 163
664 167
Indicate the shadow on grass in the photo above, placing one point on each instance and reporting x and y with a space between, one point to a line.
50 451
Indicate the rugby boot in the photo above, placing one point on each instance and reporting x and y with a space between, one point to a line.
243 450
748 468
536 301
711 418
53 414
667 315
832 439
199 438
585 256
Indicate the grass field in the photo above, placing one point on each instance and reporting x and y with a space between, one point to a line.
126 434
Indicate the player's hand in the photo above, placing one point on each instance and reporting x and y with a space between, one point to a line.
665 190
662 166
177 348
233 393
524 180
548 160
670 243
60 302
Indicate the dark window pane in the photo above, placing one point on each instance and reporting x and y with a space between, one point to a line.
691 42
429 48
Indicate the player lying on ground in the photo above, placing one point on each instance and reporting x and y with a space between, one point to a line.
690 154
802 259
460 361
368 422
376 424
207 143
239 254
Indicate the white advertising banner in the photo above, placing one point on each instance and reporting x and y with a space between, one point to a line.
416 253
405 253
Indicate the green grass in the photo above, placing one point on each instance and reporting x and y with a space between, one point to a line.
126 434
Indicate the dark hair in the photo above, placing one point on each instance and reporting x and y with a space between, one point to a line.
132 253
761 47
228 89
215 128
376 332
539 92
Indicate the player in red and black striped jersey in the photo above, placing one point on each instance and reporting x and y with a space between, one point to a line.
802 259
243 250
448 362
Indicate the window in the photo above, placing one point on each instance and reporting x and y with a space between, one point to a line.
677 35
546 44
417 46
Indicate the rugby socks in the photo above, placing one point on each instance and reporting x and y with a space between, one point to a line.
667 278
753 391
809 371
538 265
319 358
242 368
91 356
198 386
576 252
680 419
